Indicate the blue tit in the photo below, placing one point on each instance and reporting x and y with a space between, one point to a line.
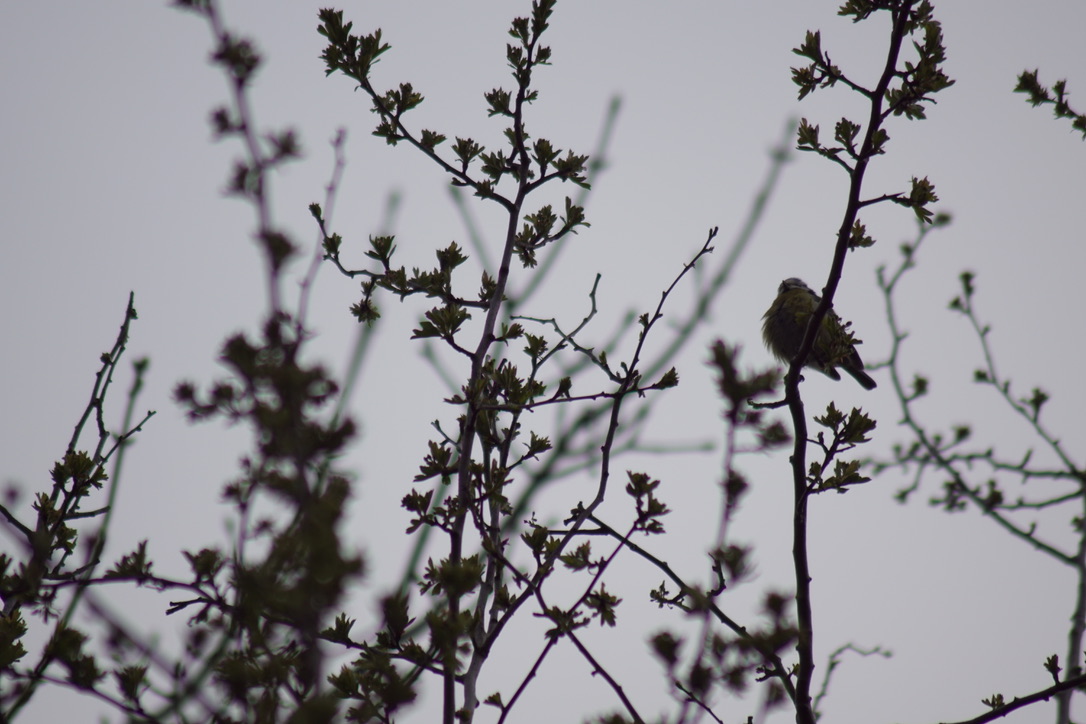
786 322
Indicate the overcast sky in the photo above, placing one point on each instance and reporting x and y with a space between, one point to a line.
111 184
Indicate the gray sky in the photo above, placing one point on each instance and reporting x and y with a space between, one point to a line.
110 183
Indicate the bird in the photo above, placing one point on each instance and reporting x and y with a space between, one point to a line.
786 322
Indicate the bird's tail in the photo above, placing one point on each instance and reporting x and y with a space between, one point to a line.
862 377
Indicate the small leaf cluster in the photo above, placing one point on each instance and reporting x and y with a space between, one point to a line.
650 509
845 433
739 388
274 389
821 73
539 230
1057 97
442 321
373 682
923 77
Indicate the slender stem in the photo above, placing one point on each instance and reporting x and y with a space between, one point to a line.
1066 686
804 614
1078 622
602 672
527 678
